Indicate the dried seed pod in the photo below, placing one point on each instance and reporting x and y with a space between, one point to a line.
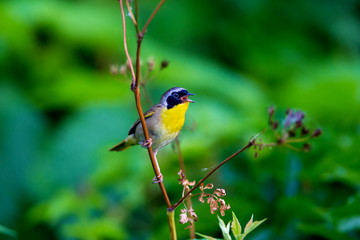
164 64
304 131
274 125
306 147
292 133
316 133
271 111
151 63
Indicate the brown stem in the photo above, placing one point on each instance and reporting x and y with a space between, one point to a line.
125 41
188 200
136 90
137 12
250 143
140 37
152 16
131 14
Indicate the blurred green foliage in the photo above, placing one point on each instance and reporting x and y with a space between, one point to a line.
61 109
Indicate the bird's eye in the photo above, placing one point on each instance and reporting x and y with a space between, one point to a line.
175 95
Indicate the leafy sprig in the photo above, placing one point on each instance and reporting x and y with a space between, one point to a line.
235 227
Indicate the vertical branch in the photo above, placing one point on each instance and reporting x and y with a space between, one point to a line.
180 157
136 90
188 200
125 42
140 37
172 226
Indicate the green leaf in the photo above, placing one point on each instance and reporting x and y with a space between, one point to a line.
225 229
206 237
252 225
235 226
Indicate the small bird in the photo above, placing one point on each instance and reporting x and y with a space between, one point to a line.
164 122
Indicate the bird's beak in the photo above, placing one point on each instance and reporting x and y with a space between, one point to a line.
186 98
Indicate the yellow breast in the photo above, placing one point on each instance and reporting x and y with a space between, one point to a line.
173 119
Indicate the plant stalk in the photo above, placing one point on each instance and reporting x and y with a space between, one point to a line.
250 143
135 88
188 200
172 226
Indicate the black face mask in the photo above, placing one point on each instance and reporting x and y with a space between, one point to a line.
175 98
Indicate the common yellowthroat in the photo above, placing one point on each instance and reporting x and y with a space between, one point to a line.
164 122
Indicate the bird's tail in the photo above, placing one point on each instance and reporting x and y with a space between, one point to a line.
128 142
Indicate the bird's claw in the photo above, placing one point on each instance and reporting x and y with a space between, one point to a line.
133 86
157 179
147 143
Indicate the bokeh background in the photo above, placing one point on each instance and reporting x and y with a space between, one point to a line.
61 109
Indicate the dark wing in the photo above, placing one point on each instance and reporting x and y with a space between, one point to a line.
147 114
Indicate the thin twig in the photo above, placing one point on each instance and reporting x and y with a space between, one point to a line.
138 51
131 14
297 140
292 147
250 143
136 90
125 41
185 191
180 157
266 144
152 16
137 12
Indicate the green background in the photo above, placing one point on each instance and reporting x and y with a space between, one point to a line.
61 109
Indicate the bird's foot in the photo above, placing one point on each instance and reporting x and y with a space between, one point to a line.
133 86
157 179
147 143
